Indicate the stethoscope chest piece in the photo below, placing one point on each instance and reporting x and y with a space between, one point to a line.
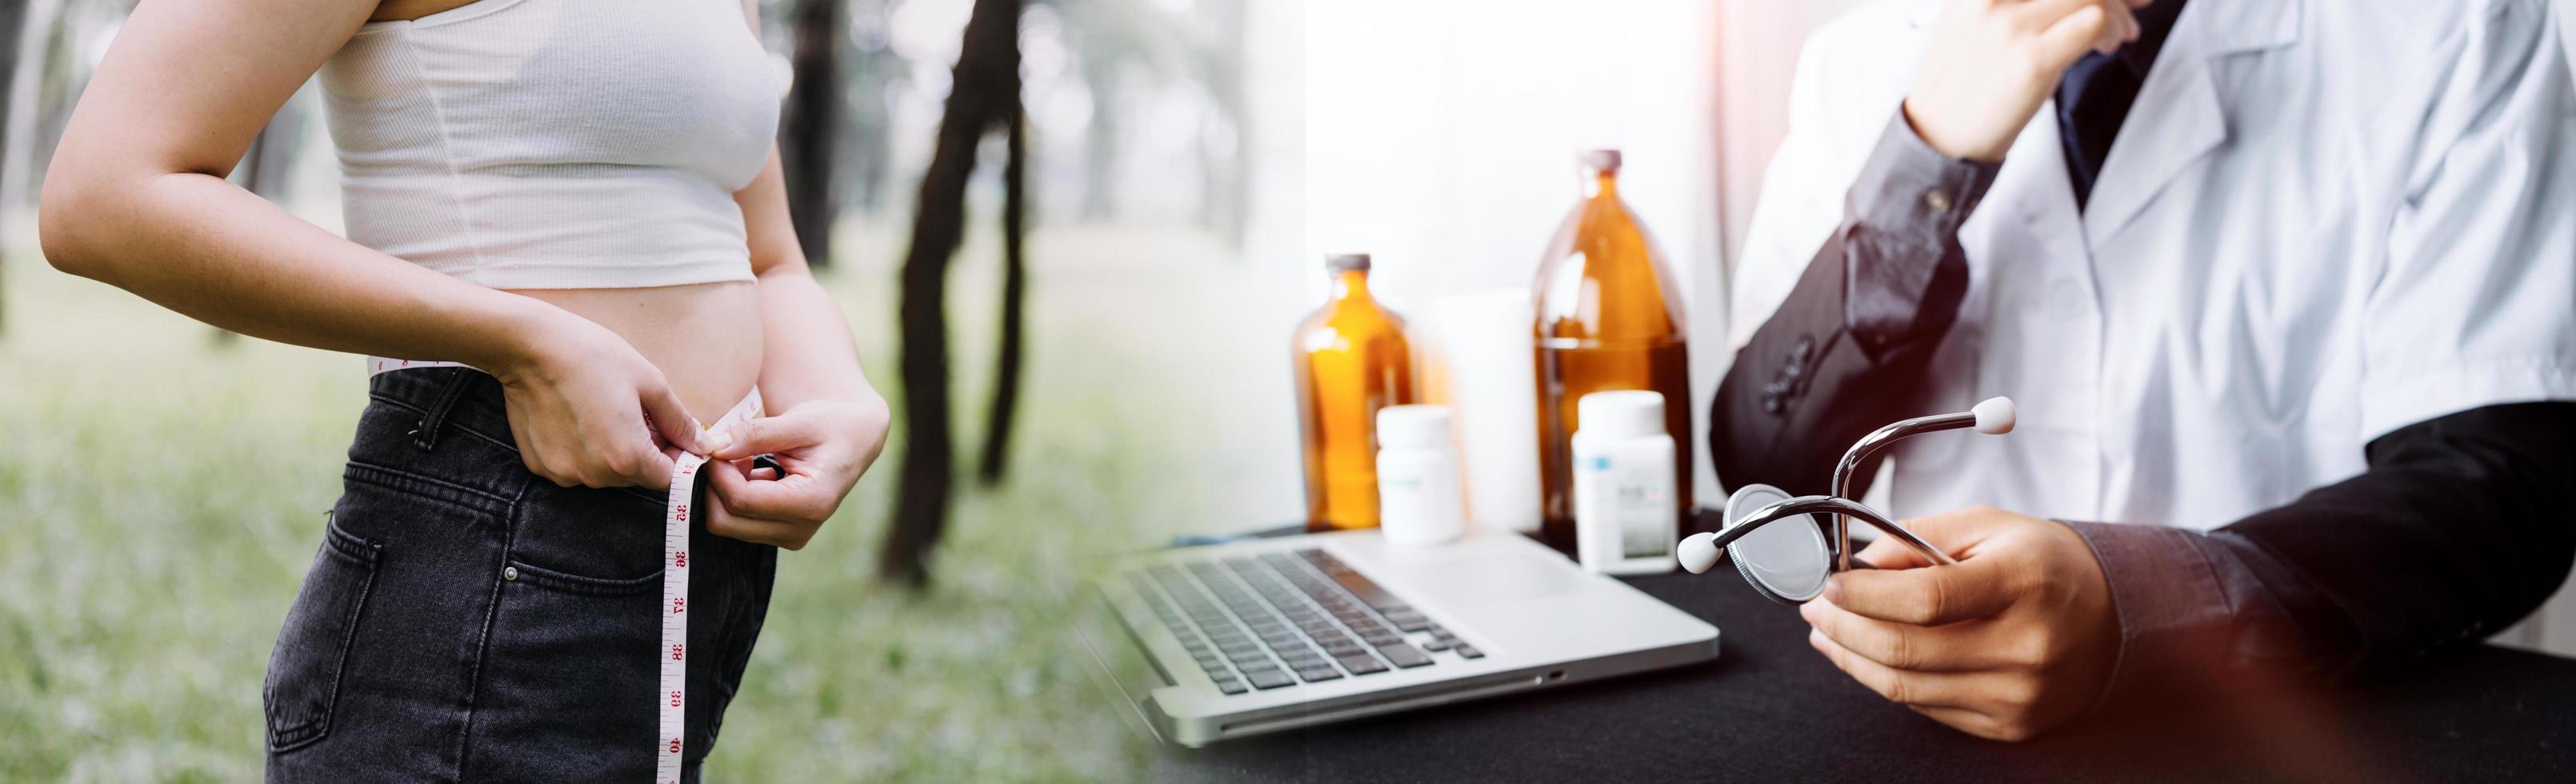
1787 562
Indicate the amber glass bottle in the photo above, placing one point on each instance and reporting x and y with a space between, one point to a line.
1352 359
1609 317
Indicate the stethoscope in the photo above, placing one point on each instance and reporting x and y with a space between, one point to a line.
1790 563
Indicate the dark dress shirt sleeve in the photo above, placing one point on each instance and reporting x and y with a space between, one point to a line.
1858 327
2461 525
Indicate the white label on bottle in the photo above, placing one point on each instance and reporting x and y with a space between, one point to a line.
1639 505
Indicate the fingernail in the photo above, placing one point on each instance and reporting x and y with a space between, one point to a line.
715 440
1816 638
1834 590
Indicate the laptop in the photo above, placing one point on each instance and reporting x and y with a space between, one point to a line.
1267 635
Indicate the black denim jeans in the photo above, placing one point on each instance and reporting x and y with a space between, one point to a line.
466 620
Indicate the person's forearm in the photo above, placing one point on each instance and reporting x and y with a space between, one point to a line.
2459 528
1839 356
197 244
806 349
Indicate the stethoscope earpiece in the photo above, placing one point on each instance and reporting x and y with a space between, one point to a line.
1697 552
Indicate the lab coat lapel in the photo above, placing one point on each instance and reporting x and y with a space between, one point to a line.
2180 114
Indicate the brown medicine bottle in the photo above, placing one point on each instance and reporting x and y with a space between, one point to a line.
1351 360
1609 316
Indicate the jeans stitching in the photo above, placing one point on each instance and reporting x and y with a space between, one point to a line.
591 586
425 487
344 545
483 641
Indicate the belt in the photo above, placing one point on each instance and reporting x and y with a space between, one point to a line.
672 699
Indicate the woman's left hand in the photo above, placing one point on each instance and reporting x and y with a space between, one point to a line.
824 445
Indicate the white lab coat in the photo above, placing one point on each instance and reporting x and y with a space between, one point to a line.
2320 222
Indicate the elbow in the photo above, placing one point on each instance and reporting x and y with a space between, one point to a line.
88 217
66 218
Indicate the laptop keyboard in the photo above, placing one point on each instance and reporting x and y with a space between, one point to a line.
1277 619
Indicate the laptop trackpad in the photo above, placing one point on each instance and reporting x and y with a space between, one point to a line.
1493 580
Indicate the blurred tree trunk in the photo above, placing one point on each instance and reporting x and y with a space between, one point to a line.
1015 285
22 38
984 94
1101 73
1225 184
809 126
874 71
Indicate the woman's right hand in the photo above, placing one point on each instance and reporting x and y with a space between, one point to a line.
588 410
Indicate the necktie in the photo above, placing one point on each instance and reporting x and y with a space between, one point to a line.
2092 98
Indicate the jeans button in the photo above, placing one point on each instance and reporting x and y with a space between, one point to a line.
510 573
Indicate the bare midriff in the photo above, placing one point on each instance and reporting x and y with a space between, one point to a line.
706 337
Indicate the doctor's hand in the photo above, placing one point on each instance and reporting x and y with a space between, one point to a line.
1990 63
2016 638
824 445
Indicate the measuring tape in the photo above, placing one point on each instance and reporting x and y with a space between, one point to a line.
672 699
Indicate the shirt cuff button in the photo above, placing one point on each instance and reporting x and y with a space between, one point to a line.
1938 201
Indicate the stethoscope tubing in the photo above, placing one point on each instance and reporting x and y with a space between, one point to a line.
1810 504
1869 446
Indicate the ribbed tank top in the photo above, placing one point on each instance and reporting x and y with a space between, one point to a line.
546 144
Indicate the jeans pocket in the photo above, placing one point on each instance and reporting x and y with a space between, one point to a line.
304 670
567 687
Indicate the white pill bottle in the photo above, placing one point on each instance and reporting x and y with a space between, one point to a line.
1625 520
1420 498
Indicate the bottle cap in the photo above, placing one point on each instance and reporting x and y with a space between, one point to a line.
1347 262
1624 413
1602 159
1413 427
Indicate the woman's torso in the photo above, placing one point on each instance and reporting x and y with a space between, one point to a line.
580 152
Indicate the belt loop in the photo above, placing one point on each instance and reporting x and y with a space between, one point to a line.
426 438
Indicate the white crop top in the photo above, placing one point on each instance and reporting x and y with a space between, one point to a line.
548 144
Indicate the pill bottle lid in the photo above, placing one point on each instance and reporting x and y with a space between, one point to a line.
1347 262
1601 159
1625 413
1413 427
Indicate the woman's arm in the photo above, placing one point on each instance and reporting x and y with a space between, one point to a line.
806 352
830 424
136 198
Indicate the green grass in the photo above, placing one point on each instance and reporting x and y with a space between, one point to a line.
161 493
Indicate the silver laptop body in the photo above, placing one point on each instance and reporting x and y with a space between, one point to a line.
1265 635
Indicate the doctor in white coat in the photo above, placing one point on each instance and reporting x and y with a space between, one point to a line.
2285 291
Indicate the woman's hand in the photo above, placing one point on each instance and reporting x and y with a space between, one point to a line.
588 410
2018 637
824 445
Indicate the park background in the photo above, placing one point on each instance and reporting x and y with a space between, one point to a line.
1187 163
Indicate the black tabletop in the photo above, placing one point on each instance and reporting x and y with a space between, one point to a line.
1772 709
